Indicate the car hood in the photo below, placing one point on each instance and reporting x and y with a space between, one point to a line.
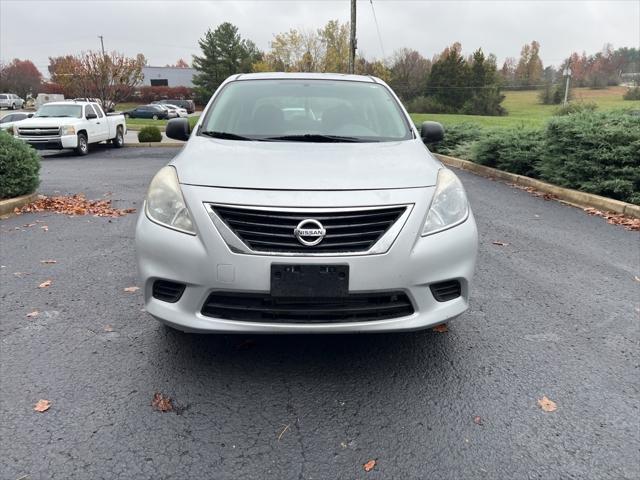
49 121
306 166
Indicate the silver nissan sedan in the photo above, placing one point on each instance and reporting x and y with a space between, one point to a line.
305 203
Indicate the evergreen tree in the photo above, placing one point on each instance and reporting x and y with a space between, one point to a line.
224 53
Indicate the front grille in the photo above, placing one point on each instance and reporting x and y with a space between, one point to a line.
39 131
354 230
445 291
355 307
167 291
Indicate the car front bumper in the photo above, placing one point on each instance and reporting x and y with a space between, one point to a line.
205 264
51 143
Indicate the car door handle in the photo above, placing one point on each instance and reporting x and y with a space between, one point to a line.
97 123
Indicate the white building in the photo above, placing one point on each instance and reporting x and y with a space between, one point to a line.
168 76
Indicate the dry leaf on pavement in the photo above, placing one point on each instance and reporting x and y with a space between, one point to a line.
477 420
370 465
546 404
108 328
636 278
45 228
161 402
33 314
499 243
45 284
42 406
48 262
74 205
442 328
131 289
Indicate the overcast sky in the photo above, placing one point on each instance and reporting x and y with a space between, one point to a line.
165 30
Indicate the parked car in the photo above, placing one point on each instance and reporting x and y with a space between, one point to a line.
10 100
335 220
8 122
188 105
177 111
156 112
71 125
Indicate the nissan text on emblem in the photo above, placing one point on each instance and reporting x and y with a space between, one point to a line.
309 232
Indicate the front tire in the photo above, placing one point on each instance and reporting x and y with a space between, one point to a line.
83 145
13 106
118 141
155 117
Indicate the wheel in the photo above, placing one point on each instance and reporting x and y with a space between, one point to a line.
83 144
118 141
126 115
155 117
13 106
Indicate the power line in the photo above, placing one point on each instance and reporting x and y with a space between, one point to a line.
375 19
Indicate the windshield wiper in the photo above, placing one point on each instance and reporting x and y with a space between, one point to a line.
225 135
316 137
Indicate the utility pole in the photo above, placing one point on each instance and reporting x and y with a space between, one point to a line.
353 41
566 73
101 43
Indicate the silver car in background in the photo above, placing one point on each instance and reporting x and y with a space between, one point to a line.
305 203
11 101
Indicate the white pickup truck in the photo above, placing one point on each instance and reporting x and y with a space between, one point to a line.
71 125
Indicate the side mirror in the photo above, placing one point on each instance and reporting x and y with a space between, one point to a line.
178 129
91 116
431 132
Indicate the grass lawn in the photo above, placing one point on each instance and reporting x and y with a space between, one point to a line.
524 108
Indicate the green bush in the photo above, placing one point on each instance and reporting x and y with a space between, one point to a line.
19 167
149 134
457 139
632 94
426 105
595 152
553 94
516 150
575 107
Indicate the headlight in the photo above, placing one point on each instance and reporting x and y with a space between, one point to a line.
165 204
68 130
449 206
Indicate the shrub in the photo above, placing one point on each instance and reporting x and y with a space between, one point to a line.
19 167
575 107
485 102
595 152
457 139
149 134
553 94
515 150
632 94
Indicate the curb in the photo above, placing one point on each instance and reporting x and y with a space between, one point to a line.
154 144
8 205
567 195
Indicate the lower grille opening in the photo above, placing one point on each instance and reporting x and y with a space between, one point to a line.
445 291
262 307
167 291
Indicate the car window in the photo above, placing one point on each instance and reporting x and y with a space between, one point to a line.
88 109
363 111
3 97
6 119
59 110
98 110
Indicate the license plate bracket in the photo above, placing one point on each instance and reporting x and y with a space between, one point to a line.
288 280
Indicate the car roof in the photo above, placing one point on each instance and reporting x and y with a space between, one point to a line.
70 102
305 76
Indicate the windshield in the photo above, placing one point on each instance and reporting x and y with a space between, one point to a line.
74 111
306 110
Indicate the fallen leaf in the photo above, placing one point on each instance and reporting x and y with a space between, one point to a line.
75 205
42 406
33 314
636 278
45 228
131 289
45 284
616 218
21 274
547 405
442 328
370 465
29 225
161 402
502 244
108 328
477 420
286 427
48 262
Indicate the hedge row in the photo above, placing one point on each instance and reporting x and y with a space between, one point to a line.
594 152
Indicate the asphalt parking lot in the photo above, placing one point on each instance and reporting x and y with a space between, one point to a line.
554 312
